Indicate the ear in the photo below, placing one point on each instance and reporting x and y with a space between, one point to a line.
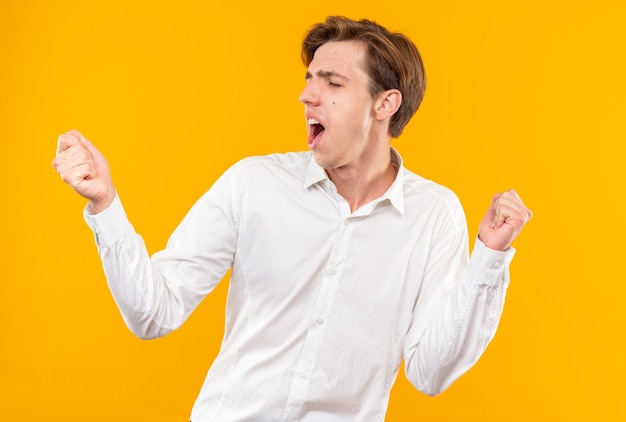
388 103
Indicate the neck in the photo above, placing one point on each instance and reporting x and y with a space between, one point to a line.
361 184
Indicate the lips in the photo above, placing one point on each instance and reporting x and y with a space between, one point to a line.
316 130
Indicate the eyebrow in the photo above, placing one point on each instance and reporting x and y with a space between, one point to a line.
325 74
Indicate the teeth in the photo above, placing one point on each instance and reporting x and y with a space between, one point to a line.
312 122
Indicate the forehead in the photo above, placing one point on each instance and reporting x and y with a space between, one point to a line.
344 56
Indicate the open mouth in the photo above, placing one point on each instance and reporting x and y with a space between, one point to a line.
316 129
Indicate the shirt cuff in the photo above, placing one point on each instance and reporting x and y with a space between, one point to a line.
487 266
110 225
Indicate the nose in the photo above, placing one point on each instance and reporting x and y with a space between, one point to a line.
308 96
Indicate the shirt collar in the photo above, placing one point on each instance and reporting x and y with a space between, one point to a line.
395 193
314 174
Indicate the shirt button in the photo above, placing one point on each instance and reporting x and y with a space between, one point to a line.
333 271
304 375
319 321
497 264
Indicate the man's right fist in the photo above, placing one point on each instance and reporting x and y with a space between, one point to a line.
85 169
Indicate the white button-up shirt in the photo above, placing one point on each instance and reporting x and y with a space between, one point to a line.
323 304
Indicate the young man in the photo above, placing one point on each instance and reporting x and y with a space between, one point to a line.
343 261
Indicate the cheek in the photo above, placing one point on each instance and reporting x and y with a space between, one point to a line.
353 115
360 118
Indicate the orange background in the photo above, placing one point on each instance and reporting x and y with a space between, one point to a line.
528 94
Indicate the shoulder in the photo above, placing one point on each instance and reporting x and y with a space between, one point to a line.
264 163
416 184
273 170
421 193
259 176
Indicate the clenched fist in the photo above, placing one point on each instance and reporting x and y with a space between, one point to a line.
85 169
504 220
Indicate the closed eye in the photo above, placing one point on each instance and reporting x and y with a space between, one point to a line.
328 75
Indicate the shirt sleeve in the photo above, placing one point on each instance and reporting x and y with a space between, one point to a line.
457 315
155 295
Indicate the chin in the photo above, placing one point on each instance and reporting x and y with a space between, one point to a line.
325 162
321 161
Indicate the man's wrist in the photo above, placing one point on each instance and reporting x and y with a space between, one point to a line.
97 206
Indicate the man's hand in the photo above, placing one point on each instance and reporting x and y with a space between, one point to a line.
503 220
85 169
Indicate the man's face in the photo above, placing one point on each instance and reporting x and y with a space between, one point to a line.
338 106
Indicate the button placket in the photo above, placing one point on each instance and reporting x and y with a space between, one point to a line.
315 335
